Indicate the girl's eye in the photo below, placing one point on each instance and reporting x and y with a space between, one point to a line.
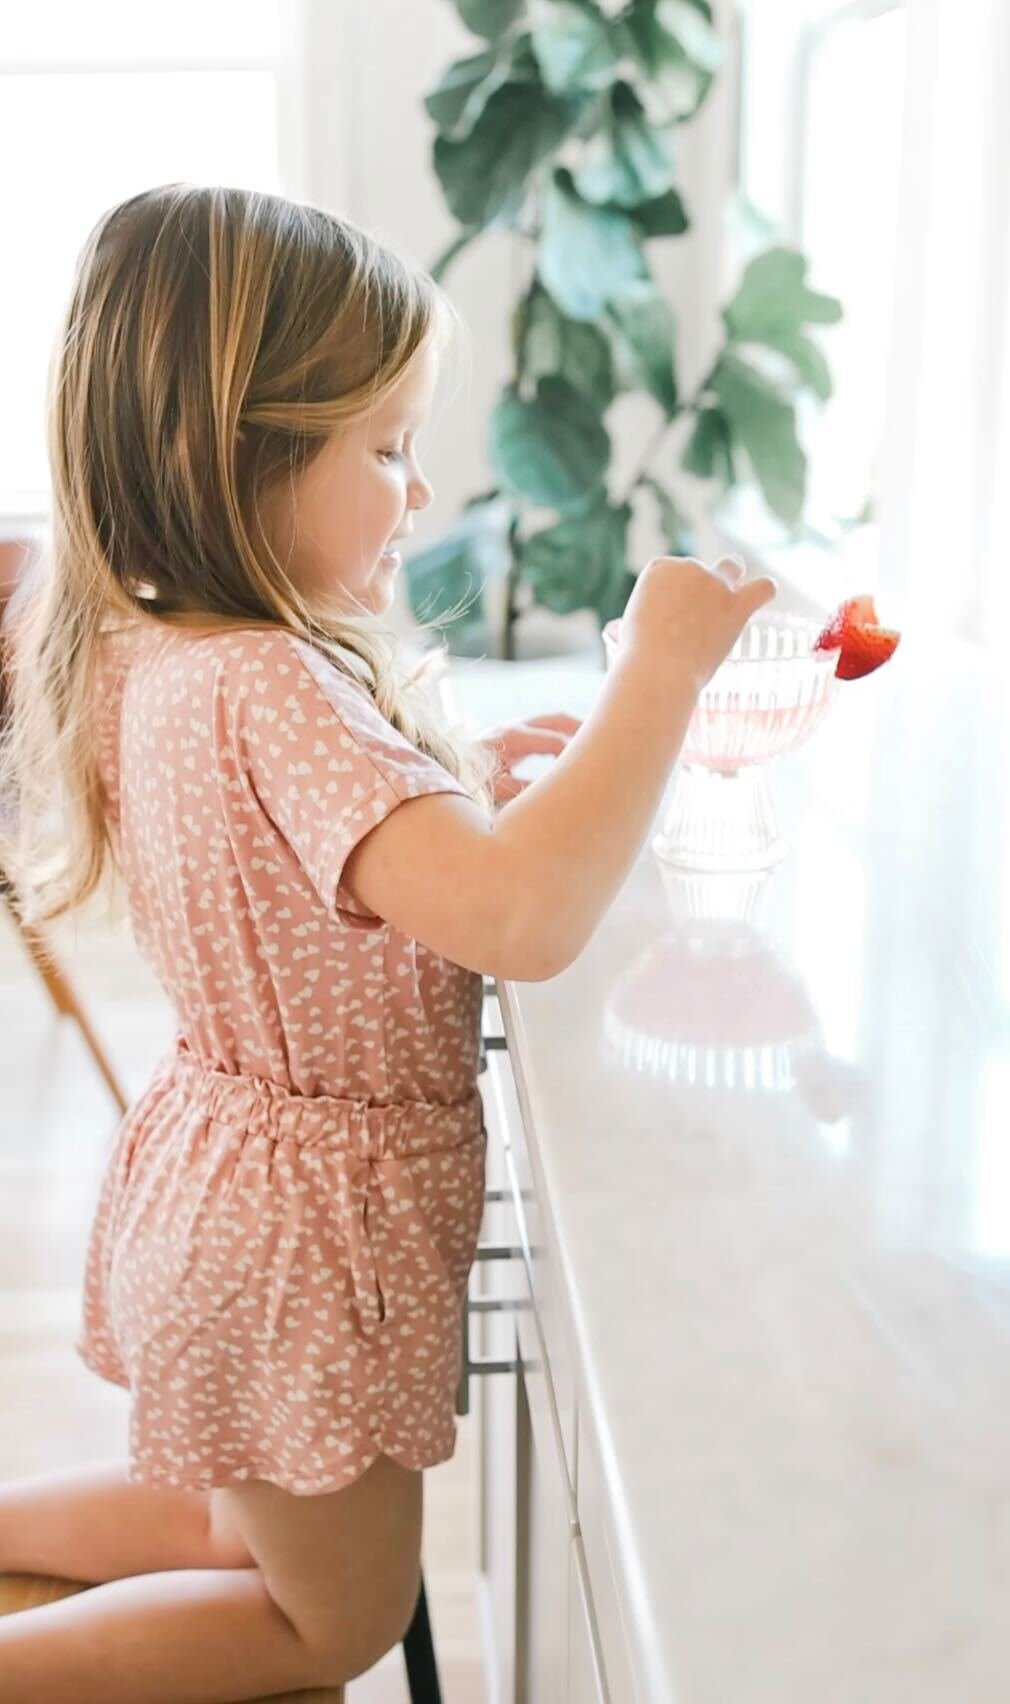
397 455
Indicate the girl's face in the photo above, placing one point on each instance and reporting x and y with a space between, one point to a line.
337 531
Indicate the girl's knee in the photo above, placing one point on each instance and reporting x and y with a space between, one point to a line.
343 1567
225 1541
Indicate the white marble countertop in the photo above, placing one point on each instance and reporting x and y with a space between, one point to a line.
776 1159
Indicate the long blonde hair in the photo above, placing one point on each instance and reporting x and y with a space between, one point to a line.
215 339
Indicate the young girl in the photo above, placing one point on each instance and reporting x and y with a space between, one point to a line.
316 871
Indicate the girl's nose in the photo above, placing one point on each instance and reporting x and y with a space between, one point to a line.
421 492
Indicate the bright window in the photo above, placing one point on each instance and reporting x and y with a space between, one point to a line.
820 159
95 105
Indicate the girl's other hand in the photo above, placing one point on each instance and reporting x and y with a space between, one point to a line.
541 734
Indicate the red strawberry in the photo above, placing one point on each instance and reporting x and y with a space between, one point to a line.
865 645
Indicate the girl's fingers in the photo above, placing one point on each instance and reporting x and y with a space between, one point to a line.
731 568
522 742
508 787
542 734
557 719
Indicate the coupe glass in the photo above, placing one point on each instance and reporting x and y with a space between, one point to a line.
767 698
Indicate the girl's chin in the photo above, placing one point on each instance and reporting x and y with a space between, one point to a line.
374 598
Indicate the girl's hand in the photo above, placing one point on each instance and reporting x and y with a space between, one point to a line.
540 734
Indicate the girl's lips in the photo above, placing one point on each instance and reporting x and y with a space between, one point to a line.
392 557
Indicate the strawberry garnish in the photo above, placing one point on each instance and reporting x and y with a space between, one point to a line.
863 643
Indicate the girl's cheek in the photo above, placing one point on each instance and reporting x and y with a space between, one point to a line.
396 489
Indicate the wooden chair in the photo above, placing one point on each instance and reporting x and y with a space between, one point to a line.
13 555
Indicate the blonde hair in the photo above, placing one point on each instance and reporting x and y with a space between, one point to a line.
215 340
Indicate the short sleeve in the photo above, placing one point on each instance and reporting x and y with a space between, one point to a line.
324 762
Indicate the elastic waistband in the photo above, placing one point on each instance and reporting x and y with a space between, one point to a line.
260 1107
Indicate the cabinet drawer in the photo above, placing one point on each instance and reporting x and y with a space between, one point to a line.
543 1540
541 1260
611 1613
539 1389
587 1680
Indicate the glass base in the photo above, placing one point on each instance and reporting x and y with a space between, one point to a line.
721 822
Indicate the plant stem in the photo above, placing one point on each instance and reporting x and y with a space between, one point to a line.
646 457
662 429
508 650
512 581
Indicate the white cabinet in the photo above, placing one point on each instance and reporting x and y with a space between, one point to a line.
496 1400
543 1539
542 1643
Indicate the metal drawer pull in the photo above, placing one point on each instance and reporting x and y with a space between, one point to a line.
485 1304
507 1195
494 1304
475 1365
480 1366
490 1044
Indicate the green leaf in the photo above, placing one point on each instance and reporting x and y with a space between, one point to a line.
678 535
455 569
459 98
809 361
581 562
688 26
774 299
763 422
485 177
663 217
551 450
490 18
771 307
575 47
675 84
587 254
464 91
709 450
573 349
628 160
643 330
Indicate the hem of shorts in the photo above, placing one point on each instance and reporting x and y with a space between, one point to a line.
101 1368
142 1473
298 1484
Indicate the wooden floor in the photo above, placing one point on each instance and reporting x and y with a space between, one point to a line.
57 1124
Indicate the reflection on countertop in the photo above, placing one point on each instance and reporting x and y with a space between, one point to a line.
713 1004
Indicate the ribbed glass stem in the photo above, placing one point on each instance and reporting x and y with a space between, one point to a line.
720 822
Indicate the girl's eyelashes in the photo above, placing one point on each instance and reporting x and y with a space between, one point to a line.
397 455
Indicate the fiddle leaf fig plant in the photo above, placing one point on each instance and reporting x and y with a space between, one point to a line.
562 127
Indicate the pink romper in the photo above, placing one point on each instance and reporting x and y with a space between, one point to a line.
280 1249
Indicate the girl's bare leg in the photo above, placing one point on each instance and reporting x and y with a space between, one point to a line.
187 1637
332 1587
90 1523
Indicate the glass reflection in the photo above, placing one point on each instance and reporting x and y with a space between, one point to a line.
712 1004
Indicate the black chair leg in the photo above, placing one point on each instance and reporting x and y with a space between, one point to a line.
419 1655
